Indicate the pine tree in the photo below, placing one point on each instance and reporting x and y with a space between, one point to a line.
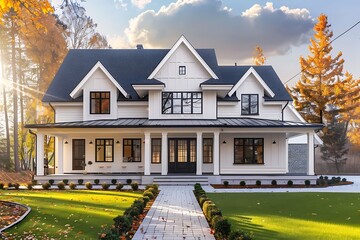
258 57
314 94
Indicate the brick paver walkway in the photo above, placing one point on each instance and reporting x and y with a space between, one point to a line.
175 214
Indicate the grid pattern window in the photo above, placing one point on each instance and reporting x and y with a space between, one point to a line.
132 150
100 102
248 151
208 150
156 150
182 70
181 102
250 104
104 150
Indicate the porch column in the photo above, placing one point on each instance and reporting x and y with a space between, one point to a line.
287 154
40 154
164 153
310 139
147 152
216 153
59 151
199 153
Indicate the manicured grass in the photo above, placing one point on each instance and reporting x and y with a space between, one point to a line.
293 215
76 214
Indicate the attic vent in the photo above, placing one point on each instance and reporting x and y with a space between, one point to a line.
139 46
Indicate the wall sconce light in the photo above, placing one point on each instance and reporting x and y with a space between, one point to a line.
224 142
274 142
66 142
91 142
117 142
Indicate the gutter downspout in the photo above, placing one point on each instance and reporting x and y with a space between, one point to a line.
33 169
282 110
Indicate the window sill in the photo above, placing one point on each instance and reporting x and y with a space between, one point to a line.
248 163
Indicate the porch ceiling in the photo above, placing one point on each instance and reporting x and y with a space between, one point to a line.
179 123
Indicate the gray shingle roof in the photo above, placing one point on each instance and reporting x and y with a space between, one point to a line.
183 123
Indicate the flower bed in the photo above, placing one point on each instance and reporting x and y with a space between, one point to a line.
10 213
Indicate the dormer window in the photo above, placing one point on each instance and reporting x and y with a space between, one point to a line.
249 104
182 70
182 103
100 102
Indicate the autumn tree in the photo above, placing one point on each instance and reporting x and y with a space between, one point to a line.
81 29
320 73
258 56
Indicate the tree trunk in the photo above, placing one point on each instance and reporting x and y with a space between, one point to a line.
23 133
15 99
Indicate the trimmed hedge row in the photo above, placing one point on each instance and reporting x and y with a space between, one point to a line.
123 224
215 218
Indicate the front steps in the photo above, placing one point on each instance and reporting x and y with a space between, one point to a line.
180 180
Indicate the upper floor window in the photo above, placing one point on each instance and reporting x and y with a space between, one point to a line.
248 151
249 104
182 70
181 102
99 102
104 150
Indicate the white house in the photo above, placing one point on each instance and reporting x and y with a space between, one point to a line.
147 113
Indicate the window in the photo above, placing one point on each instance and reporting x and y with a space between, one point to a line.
156 150
100 102
208 150
182 103
132 150
182 70
104 150
249 104
248 151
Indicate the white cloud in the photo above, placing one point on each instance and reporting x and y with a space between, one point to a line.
116 41
140 3
208 24
120 4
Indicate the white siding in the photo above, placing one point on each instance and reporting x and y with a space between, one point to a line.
68 113
132 110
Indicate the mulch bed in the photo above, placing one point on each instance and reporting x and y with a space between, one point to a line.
221 186
10 213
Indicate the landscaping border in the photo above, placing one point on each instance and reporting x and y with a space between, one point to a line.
28 210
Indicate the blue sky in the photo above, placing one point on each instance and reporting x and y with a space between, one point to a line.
232 27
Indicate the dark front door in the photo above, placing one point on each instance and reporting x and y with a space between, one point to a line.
78 154
182 155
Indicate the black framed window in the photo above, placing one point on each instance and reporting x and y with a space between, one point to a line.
132 150
104 150
248 151
182 70
249 104
99 102
181 102
208 150
156 150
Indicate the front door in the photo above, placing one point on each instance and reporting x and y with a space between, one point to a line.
182 155
78 154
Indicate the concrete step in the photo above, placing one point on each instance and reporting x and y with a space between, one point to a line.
180 180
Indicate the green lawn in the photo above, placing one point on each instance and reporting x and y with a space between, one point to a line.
293 215
76 214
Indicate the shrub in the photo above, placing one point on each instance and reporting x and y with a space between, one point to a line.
215 219
88 185
29 185
119 186
343 180
132 212
51 181
135 186
214 212
155 188
80 181
226 183
242 183
113 181
10 185
140 204
96 181
61 185
239 235
307 182
337 180
258 183
122 224
206 206
149 194
273 182
202 200
321 177
16 186
128 181
105 186
46 186
72 186
326 178
34 182
2 186
65 181
290 183
222 228
146 199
